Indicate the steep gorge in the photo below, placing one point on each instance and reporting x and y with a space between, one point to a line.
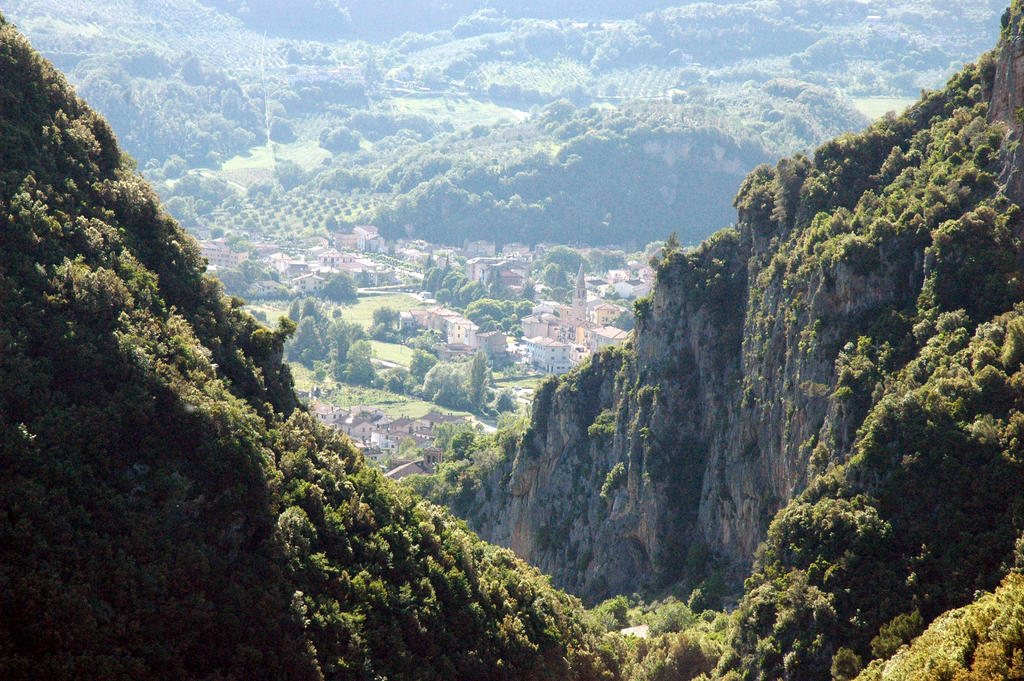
759 356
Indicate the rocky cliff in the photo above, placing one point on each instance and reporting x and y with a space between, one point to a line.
758 356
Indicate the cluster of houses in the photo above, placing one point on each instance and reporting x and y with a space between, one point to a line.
512 267
512 272
309 271
462 338
556 337
379 436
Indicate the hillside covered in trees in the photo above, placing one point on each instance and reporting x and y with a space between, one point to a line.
826 399
167 509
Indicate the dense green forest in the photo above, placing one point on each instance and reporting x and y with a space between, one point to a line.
167 509
443 120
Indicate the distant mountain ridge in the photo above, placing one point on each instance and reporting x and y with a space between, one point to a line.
326 18
500 119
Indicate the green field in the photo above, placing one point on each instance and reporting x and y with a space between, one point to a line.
392 352
361 313
272 310
530 381
305 152
876 107
392 404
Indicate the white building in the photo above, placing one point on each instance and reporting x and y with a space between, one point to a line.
308 283
219 254
459 330
288 266
549 355
472 249
328 413
607 335
535 325
333 260
604 314
483 269
368 239
633 288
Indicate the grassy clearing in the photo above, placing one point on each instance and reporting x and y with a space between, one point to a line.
392 404
530 381
876 107
362 312
256 158
305 152
268 311
392 352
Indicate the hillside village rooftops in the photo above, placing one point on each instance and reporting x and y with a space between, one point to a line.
611 333
401 423
411 468
359 420
435 417
546 342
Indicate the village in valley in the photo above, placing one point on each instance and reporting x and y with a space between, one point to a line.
549 338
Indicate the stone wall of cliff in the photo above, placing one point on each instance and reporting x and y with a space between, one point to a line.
664 464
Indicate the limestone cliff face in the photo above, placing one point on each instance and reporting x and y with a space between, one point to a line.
713 418
1008 97
663 464
563 503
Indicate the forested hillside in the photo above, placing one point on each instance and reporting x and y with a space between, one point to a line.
167 510
826 400
448 119
830 393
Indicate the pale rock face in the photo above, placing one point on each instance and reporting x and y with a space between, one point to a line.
1007 100
717 414
715 420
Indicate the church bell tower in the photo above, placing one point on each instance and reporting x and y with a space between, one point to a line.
579 297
